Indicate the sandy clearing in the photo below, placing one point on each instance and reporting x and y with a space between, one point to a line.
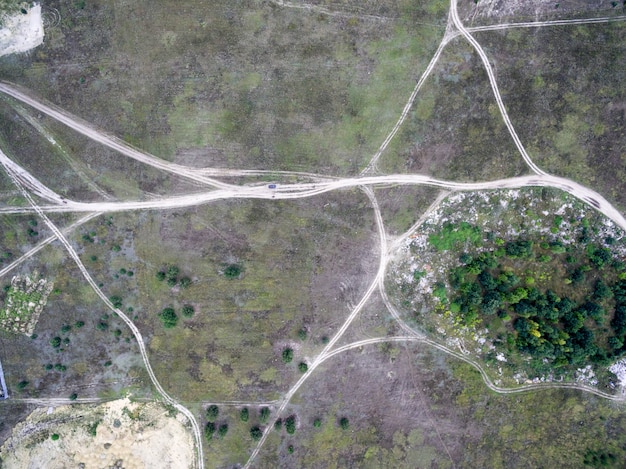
138 435
21 32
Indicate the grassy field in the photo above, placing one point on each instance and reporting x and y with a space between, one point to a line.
234 298
567 106
247 83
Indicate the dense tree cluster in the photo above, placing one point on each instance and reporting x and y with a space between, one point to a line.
487 288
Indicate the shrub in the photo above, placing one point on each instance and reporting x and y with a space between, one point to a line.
212 412
54 437
209 430
264 415
187 311
278 424
185 282
302 334
116 301
66 328
303 367
344 423
256 433
290 424
79 324
232 271
55 342
223 430
317 422
244 414
287 355
73 397
22 384
290 449
160 275
168 318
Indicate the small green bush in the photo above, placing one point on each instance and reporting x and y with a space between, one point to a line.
187 311
54 437
344 423
303 367
287 355
244 414
232 271
256 433
212 412
168 318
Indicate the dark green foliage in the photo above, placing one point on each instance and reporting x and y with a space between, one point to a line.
544 325
55 342
303 367
287 355
117 248
212 412
93 428
452 235
60 367
519 249
49 366
344 423
22 384
73 396
290 424
160 275
209 430
264 415
54 436
317 422
302 334
79 324
66 328
116 301
185 282
600 458
187 311
290 449
102 326
256 433
278 424
244 414
168 317
222 430
233 271
172 272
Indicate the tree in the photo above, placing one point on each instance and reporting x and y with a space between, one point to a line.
168 317
264 414
244 414
22 384
256 433
209 430
317 422
223 430
344 423
73 397
232 271
185 282
160 275
278 424
287 355
116 301
303 367
55 342
290 424
212 412
187 311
